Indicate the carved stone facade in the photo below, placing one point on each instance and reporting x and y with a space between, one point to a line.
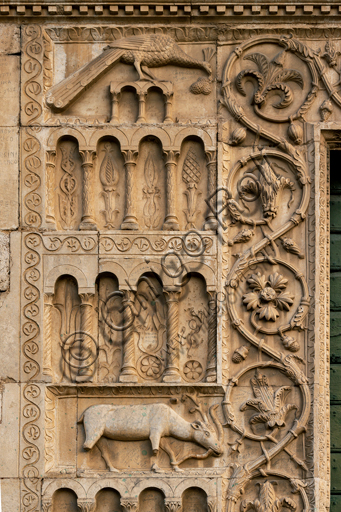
164 267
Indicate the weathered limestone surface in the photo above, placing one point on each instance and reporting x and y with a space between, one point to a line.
164 256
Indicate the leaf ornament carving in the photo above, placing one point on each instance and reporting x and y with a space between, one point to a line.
270 404
191 175
267 501
68 186
151 193
268 296
109 178
270 75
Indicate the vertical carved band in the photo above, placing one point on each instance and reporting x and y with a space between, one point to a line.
128 371
50 186
211 220
85 372
47 359
130 219
211 370
171 222
87 222
172 373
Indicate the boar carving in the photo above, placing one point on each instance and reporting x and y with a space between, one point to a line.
153 422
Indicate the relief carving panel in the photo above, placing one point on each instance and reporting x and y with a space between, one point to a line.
170 335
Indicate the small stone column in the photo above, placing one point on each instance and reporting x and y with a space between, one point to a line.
87 222
171 222
211 369
47 347
87 347
50 189
142 108
172 373
115 96
168 108
128 370
211 165
130 219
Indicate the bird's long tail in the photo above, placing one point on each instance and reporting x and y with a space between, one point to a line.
62 94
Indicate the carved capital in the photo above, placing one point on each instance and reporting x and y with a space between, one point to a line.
172 505
211 504
51 158
171 157
129 505
88 157
46 505
86 299
86 505
130 156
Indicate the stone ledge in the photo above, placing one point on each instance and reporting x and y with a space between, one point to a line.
213 10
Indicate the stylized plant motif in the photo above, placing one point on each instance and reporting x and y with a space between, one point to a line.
192 370
151 366
109 177
191 175
68 186
151 192
269 403
268 296
271 75
267 501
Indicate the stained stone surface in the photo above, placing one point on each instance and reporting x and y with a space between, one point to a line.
164 256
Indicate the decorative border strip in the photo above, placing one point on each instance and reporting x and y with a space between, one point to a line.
247 9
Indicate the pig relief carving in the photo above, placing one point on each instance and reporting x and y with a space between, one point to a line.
153 422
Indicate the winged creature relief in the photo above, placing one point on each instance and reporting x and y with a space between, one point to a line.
144 52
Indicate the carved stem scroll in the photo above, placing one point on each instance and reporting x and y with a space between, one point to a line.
130 219
171 222
172 373
88 221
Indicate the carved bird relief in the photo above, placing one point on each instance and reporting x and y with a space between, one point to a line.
144 52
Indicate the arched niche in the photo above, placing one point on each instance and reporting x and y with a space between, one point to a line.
194 499
150 327
128 105
110 322
108 500
194 313
151 180
192 184
67 184
109 185
155 105
64 321
64 500
151 500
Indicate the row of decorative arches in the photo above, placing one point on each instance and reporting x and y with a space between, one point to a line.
131 139
86 281
204 487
